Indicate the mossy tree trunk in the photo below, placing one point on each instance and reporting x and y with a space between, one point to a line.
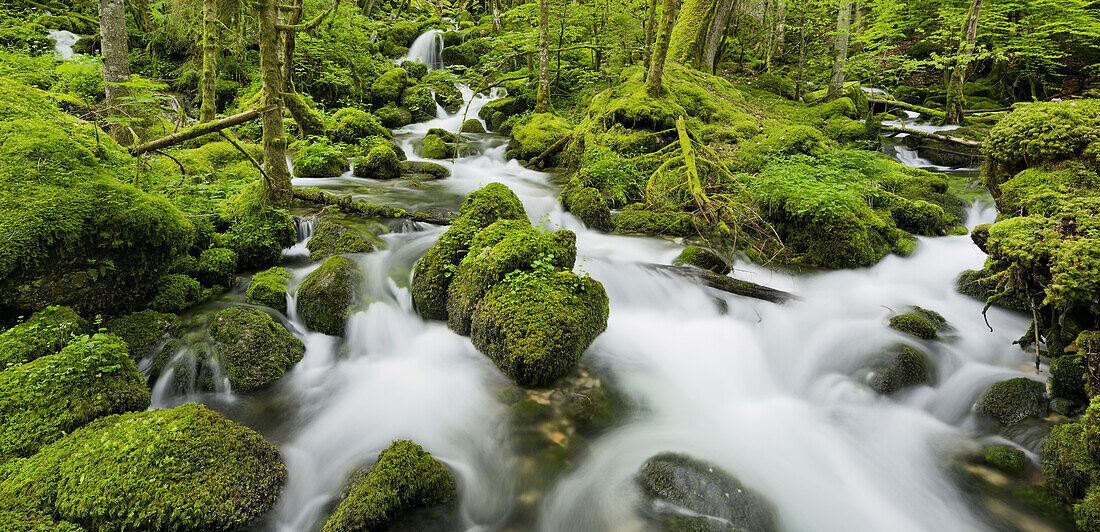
801 54
956 100
689 34
542 102
843 23
717 33
277 185
116 63
669 8
209 60
779 33
650 29
288 46
495 6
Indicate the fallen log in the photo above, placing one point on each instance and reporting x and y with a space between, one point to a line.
556 147
367 209
201 129
933 136
997 110
723 283
935 113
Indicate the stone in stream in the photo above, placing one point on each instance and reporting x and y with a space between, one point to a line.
253 350
334 238
185 468
685 494
1013 400
381 161
268 288
703 258
587 204
327 293
922 323
472 125
898 368
144 331
404 478
425 170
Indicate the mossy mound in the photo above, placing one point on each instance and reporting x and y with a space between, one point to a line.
326 295
404 478
392 116
334 238
472 125
536 325
1005 458
45 332
425 170
253 350
257 233
388 87
186 468
418 100
914 324
380 161
76 233
1039 133
587 204
268 288
175 292
43 400
898 368
639 220
318 158
980 284
537 134
498 111
349 125
703 258
1013 400
144 331
434 147
217 267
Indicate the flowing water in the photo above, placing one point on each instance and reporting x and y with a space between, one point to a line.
766 391
63 42
427 49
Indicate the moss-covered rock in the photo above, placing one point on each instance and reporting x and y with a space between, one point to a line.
43 400
1005 458
379 162
175 292
898 368
496 112
144 331
1068 375
425 169
392 116
45 332
404 478
703 258
349 125
913 324
319 158
434 147
1013 400
253 350
1068 465
538 133
981 285
638 220
472 125
536 325
326 295
217 267
687 494
587 204
186 468
418 100
388 87
257 233
334 238
268 288
76 233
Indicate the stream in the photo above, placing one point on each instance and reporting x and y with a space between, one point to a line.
765 391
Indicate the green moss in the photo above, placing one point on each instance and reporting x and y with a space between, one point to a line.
1067 463
175 292
418 100
388 87
217 267
536 325
333 238
1005 458
268 288
350 125
472 125
415 70
432 273
392 116
326 295
1087 513
1045 190
702 258
45 332
538 133
1037 133
447 94
404 478
380 162
186 468
1013 400
617 178
436 148
587 204
257 233
30 520
496 112
655 223
253 350
425 170
898 368
914 324
1068 375
318 158
43 400
144 331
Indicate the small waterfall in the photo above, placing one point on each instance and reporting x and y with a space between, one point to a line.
63 42
427 49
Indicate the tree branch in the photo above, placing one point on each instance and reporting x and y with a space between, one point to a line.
201 129
933 136
311 24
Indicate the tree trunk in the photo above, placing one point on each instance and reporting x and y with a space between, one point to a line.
956 100
801 54
209 60
769 32
781 23
145 19
689 34
116 62
716 34
669 8
496 15
288 47
650 29
542 102
843 21
277 186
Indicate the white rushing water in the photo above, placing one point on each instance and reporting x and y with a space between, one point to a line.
63 42
766 391
427 49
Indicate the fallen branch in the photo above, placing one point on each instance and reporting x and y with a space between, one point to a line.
724 283
997 110
556 147
933 136
935 113
201 129
348 204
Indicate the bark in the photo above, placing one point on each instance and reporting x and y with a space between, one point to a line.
650 34
278 188
288 47
716 34
769 32
669 8
724 283
781 23
801 55
495 5
116 61
542 102
956 100
209 60
934 113
200 130
843 22
689 34
554 148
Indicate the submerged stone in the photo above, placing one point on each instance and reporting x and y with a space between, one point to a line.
703 258
1013 400
326 295
898 368
253 350
425 169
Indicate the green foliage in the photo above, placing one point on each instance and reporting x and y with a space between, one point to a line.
326 295
175 292
418 100
317 157
350 125
217 267
44 333
253 350
185 468
143 331
268 288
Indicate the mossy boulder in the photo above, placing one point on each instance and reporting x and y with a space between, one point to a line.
639 220
334 238
425 169
1068 465
1005 458
76 233
45 332
472 125
392 116
319 158
175 292
144 331
379 162
897 368
683 493
496 112
434 147
914 324
1068 377
418 100
538 133
388 87
1013 400
703 258
405 477
326 295
536 325
186 468
253 350
981 285
43 400
268 288
587 204
258 235
349 125
217 267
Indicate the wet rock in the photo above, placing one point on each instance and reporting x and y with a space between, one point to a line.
1013 400
703 258
898 368
587 204
217 267
351 125
326 294
1067 377
253 350
472 125
268 288
381 161
334 238
425 169
702 497
143 331
1005 458
981 285
922 323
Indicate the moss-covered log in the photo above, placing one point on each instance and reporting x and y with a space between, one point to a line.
201 129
